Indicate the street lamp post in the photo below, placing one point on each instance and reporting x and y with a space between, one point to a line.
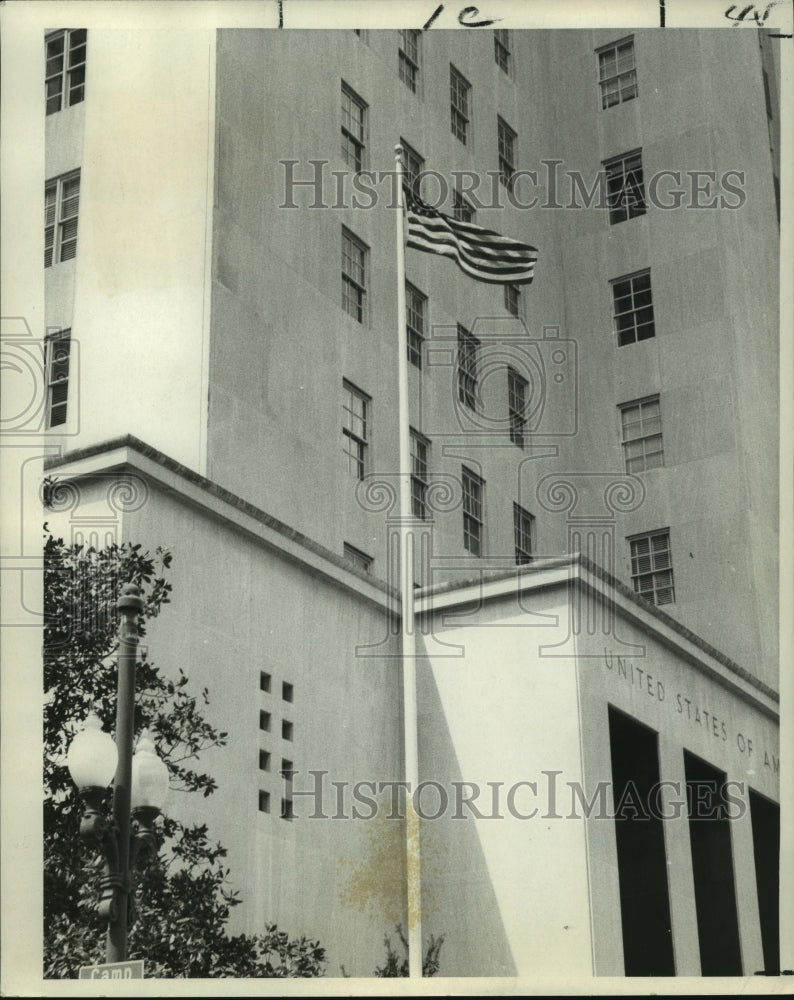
139 786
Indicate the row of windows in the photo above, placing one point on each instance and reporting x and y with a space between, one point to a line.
409 56
65 52
617 82
624 188
632 305
617 74
641 441
265 722
624 179
265 758
473 521
355 131
640 421
266 683
641 426
651 563
287 809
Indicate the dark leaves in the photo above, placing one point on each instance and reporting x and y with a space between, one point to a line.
184 896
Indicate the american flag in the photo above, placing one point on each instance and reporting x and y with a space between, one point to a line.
480 253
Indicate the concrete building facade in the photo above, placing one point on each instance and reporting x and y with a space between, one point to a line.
590 459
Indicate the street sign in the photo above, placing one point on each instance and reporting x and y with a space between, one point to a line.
113 970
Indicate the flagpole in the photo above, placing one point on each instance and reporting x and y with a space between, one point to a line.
408 636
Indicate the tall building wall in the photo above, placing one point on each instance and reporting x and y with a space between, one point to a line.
133 296
284 314
707 362
282 344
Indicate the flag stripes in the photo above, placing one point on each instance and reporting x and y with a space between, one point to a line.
480 253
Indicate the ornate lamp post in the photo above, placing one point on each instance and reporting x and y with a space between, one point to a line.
139 786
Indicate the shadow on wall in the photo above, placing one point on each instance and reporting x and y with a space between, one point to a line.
458 899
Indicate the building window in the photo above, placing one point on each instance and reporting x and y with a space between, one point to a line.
459 104
358 558
461 208
415 310
286 730
467 367
419 446
501 48
473 487
633 308
409 58
517 387
61 203
264 681
64 83
413 165
513 299
264 802
355 410
523 534
264 760
264 721
641 426
652 568
354 128
625 187
616 73
507 153
287 691
354 275
58 348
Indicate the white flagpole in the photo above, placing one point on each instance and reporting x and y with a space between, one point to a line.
408 637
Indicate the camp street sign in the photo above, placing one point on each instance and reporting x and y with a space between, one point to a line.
113 970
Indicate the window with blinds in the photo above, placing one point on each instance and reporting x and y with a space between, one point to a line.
652 567
61 205
57 357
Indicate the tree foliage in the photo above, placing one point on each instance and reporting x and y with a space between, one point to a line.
183 898
397 965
